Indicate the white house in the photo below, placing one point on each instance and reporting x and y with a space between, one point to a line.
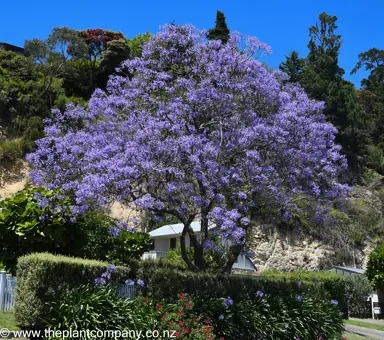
168 237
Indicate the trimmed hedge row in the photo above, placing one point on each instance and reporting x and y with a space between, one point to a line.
332 283
43 278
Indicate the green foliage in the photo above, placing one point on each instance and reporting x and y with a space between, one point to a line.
27 226
44 278
221 30
11 149
102 245
136 44
357 290
284 316
162 283
38 220
293 66
214 261
375 267
90 308
331 282
62 101
281 317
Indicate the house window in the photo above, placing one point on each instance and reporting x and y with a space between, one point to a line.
152 245
173 243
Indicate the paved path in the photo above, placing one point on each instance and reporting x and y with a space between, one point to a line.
373 333
372 321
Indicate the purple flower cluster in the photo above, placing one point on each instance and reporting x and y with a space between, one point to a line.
140 283
198 127
106 276
228 302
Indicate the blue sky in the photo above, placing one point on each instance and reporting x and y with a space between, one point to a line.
282 24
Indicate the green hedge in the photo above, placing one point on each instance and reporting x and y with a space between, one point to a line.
333 283
43 278
164 283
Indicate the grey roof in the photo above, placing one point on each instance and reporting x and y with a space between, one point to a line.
174 229
350 269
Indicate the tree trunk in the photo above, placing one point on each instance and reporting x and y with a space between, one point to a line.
187 229
232 256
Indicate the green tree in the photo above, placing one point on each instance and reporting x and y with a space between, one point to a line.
51 56
136 44
221 30
322 78
375 267
116 52
293 66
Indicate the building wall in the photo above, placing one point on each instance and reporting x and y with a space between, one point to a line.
162 244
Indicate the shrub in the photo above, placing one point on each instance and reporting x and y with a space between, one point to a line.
43 278
279 317
333 283
11 149
214 258
164 283
90 308
29 225
259 317
39 220
358 290
375 267
105 245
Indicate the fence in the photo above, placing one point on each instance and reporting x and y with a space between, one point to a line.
8 286
7 291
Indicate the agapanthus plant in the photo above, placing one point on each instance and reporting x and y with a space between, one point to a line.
195 129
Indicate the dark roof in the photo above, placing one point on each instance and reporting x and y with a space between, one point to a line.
8 47
350 269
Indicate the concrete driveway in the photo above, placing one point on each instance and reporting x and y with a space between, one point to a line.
373 333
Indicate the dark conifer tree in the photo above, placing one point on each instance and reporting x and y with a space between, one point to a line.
221 30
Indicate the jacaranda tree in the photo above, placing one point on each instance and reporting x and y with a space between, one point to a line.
196 129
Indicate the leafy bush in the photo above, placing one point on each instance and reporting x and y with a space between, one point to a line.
115 247
29 225
164 283
375 267
43 278
333 283
90 308
11 149
38 220
260 316
358 290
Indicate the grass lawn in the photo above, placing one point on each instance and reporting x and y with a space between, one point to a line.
7 320
364 324
351 336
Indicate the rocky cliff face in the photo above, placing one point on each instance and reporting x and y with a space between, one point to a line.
360 230
287 250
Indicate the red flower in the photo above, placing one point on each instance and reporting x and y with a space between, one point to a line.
147 300
178 333
188 305
158 306
197 320
181 323
186 330
180 313
161 315
207 321
180 295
